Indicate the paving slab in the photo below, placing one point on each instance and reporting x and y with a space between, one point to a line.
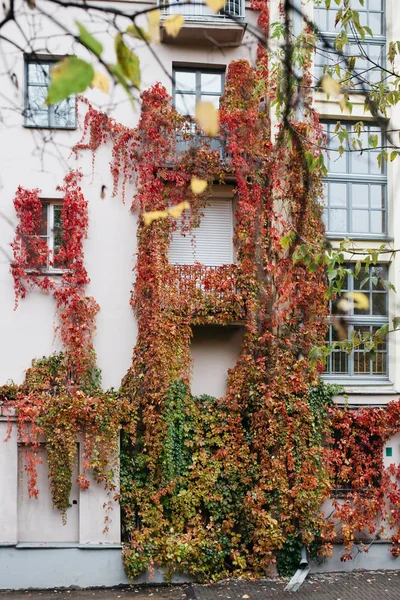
366 585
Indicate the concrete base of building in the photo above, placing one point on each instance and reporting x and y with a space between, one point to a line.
378 558
33 566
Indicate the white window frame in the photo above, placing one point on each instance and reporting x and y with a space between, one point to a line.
354 321
49 237
29 115
349 179
377 41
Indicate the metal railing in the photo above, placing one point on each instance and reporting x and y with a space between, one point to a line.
204 291
198 11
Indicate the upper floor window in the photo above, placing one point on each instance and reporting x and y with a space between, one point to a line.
192 85
211 243
362 323
355 191
37 113
369 53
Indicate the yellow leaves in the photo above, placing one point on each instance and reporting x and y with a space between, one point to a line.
330 86
198 185
175 212
215 5
356 300
208 118
153 25
101 82
173 24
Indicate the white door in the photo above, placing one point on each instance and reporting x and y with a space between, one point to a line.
38 521
211 243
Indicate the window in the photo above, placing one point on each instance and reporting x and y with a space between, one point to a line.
51 233
211 243
361 364
37 112
355 192
191 85
369 52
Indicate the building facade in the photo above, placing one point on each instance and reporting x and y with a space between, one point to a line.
360 203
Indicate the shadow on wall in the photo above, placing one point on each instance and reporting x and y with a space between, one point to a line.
215 349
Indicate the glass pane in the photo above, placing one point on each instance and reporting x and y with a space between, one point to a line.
324 199
359 161
379 364
64 113
362 364
43 220
379 304
336 163
360 221
38 73
185 104
374 4
213 99
185 80
337 194
37 99
378 275
378 224
375 23
211 82
377 196
37 119
362 281
359 195
337 220
340 363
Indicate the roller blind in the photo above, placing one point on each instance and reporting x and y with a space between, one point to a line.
211 243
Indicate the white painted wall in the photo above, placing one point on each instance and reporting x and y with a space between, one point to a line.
214 350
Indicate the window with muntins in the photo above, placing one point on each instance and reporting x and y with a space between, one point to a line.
355 191
192 85
370 53
362 322
37 113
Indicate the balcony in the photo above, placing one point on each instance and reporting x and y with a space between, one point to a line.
205 294
202 26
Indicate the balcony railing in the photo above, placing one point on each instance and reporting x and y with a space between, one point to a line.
192 137
203 292
198 11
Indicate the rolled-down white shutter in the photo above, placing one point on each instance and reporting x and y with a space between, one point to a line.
211 243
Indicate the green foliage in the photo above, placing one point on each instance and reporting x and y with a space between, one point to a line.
87 40
70 76
288 557
127 61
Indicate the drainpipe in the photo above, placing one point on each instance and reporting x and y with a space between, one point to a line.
302 571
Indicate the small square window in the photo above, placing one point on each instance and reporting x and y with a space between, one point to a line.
37 113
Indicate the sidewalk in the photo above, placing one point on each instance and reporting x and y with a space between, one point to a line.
371 585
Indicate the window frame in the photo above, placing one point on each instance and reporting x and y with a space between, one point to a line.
50 60
377 40
198 71
50 204
355 321
349 178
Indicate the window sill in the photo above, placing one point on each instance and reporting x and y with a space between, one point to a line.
64 545
51 128
352 383
368 237
48 272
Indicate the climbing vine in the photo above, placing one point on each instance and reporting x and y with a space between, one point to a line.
61 397
225 486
